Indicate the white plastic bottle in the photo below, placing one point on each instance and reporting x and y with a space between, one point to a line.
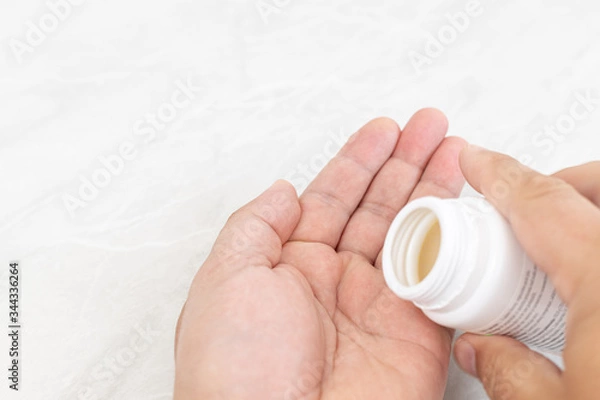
459 261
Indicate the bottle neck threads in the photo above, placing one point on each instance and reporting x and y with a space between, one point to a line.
424 251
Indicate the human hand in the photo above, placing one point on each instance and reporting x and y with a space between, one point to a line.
557 221
291 303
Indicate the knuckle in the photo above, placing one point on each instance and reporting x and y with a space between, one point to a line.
538 192
496 379
235 216
536 186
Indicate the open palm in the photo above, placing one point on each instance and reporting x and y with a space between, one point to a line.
291 303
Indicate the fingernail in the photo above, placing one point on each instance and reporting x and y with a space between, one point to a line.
465 356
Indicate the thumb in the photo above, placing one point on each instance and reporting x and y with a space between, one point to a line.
255 234
507 369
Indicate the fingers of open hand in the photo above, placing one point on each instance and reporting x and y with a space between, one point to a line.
507 369
558 228
254 234
442 177
330 200
394 183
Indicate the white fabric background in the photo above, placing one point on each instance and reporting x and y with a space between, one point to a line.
274 94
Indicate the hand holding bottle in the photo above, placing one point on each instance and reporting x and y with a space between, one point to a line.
557 221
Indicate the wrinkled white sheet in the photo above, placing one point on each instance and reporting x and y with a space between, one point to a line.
263 90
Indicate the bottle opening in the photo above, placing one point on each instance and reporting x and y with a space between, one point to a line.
416 246
430 249
422 245
422 250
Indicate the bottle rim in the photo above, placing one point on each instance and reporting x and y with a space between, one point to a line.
404 242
